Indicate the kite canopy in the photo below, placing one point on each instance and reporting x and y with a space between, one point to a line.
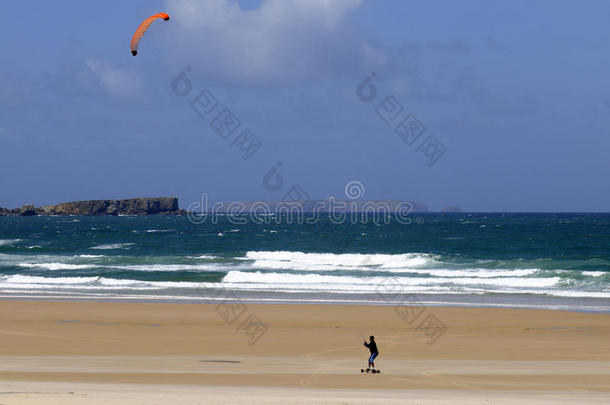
135 40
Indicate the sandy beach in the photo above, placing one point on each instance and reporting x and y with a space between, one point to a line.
109 352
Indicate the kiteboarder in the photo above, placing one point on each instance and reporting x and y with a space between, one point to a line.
372 346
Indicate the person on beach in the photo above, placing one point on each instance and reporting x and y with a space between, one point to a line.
372 346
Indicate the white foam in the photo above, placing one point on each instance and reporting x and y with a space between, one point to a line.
168 267
112 246
30 262
70 283
330 261
283 282
57 266
135 267
151 284
483 273
322 280
90 283
594 273
19 279
9 242
415 263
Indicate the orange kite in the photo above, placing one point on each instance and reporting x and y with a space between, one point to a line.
135 40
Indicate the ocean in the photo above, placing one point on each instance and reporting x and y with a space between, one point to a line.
559 261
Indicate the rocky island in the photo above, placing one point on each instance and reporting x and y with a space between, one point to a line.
169 206
133 206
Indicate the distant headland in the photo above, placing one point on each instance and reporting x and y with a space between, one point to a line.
132 206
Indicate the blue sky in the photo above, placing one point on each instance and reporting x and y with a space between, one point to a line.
517 93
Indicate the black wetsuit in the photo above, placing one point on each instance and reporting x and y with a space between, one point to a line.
374 352
372 347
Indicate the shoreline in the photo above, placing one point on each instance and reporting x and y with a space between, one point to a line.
500 301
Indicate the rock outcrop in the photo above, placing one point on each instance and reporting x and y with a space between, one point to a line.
133 206
28 210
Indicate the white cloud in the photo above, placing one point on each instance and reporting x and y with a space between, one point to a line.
281 41
115 81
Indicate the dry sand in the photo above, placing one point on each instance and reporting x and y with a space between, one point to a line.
132 353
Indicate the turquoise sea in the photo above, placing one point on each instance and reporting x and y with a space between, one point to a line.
533 260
